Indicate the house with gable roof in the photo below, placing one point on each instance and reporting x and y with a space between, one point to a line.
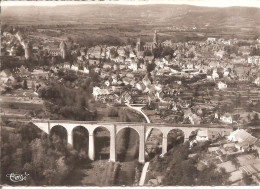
226 118
244 140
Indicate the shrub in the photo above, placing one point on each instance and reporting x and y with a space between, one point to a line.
113 112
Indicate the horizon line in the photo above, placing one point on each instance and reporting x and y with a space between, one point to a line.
202 3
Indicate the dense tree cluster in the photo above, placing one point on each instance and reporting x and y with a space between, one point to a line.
20 50
113 53
10 63
150 67
243 43
69 103
230 49
157 52
70 76
179 170
47 159
255 52
167 51
131 42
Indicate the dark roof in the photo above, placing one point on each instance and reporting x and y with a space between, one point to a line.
7 72
257 143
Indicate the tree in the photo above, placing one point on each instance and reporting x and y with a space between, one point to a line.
113 112
238 100
230 49
30 154
83 102
256 117
179 170
131 42
167 51
255 120
25 84
20 50
150 66
247 179
157 52
248 117
113 53
127 52
94 76
69 39
196 92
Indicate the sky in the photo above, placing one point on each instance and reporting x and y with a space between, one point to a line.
208 3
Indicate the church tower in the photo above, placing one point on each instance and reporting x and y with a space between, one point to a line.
63 50
27 49
138 45
155 38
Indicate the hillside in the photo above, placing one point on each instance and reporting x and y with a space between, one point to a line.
149 14
125 20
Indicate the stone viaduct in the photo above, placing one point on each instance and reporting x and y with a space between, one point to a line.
114 128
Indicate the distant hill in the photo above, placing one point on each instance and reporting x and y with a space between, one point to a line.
156 14
230 19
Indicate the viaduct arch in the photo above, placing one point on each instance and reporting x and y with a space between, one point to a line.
97 142
141 128
75 138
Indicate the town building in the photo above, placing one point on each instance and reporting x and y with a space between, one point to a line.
244 140
211 39
6 77
97 92
226 118
257 81
27 49
222 85
244 50
254 60
63 50
167 43
147 45
202 135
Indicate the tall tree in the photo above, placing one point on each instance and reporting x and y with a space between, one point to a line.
25 84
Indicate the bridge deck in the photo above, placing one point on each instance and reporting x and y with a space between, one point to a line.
130 123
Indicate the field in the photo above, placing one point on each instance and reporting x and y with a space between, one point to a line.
20 104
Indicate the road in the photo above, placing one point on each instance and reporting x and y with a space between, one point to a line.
139 109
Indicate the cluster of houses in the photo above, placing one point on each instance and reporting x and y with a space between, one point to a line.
121 66
255 60
240 139
6 79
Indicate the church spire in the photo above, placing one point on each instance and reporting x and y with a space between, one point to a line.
155 37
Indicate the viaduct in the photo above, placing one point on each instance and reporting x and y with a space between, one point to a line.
142 129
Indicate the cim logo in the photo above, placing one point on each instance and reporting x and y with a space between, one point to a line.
17 177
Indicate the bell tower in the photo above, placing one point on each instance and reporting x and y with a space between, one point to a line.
63 49
27 49
155 38
138 45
